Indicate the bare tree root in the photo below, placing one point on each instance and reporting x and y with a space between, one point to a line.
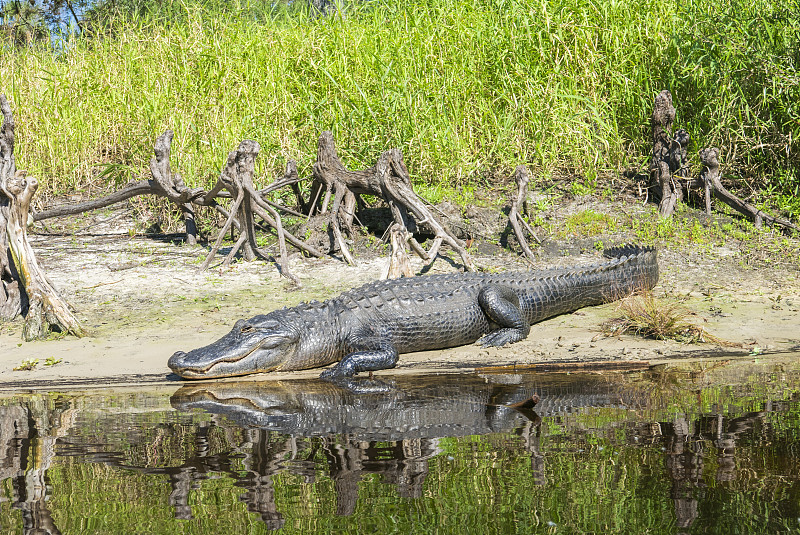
25 287
518 207
239 168
164 183
237 179
390 180
710 179
235 182
170 185
669 162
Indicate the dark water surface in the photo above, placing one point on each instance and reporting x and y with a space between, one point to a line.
706 448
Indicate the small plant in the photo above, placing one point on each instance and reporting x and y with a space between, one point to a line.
645 315
589 223
27 365
52 361
587 187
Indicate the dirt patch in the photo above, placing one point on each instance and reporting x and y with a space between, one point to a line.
143 299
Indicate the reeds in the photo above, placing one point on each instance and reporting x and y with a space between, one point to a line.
466 89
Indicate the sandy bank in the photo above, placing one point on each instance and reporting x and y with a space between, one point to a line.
143 299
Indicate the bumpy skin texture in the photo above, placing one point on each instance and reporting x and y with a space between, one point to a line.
366 328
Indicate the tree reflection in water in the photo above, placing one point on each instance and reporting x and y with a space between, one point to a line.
270 437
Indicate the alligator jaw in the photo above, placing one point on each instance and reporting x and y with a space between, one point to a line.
261 344
177 363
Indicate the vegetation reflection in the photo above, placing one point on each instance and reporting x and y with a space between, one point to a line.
711 448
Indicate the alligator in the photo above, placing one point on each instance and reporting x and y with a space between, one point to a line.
365 329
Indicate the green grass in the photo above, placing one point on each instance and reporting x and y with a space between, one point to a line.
467 89
589 223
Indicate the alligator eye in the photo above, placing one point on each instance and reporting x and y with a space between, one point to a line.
247 329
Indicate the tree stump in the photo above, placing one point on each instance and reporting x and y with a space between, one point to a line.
237 179
25 288
669 160
388 179
518 207
171 185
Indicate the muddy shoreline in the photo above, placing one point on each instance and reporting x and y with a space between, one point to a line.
142 299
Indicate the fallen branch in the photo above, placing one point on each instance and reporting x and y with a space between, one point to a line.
164 183
587 365
133 189
710 179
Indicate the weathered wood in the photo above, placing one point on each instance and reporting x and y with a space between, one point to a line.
669 158
25 287
133 189
238 169
388 179
601 365
711 181
518 224
170 185
237 179
395 185
164 183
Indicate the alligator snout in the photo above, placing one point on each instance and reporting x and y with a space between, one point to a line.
174 361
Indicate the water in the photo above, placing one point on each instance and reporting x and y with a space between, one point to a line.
711 448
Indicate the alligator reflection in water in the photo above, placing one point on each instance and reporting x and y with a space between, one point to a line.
353 425
307 449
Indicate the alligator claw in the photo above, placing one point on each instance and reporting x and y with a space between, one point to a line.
501 337
337 372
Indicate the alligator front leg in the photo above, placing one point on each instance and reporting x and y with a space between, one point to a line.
501 305
372 350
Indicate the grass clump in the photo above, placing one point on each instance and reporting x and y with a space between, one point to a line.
645 315
589 223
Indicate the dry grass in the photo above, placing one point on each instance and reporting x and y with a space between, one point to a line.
647 316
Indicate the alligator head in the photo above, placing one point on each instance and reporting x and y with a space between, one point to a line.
260 344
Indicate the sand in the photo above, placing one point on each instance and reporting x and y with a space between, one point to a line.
142 299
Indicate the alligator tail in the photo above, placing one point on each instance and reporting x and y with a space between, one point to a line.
638 264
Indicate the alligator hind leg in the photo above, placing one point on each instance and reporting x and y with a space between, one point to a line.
501 305
372 350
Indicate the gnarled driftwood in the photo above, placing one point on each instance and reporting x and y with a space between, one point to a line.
237 179
25 287
668 163
712 184
388 179
519 207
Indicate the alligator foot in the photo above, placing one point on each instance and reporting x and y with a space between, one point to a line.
501 305
501 337
337 373
368 360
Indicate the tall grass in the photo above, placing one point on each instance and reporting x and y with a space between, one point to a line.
466 89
